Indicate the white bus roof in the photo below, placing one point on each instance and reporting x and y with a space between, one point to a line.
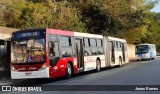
87 35
145 44
116 39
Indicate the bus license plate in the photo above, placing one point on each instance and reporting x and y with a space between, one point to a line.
28 74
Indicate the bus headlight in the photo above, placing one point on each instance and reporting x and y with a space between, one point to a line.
13 69
43 67
137 55
147 54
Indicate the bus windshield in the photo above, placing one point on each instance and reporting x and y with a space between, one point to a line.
142 49
28 51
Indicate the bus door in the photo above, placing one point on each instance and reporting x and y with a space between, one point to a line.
79 53
112 52
123 52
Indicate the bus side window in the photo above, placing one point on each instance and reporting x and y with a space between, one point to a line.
93 46
100 46
66 46
87 49
149 48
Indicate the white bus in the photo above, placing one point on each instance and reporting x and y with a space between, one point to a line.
100 51
91 52
116 52
145 51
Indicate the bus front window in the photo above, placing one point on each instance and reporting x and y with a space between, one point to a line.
28 51
142 49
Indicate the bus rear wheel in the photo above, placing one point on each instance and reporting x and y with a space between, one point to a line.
68 70
120 62
98 65
153 58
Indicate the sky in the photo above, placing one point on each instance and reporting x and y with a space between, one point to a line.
157 7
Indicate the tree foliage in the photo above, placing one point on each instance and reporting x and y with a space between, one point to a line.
129 19
41 14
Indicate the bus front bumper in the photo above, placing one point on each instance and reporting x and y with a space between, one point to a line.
142 56
30 74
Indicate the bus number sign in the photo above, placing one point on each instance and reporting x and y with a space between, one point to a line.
28 34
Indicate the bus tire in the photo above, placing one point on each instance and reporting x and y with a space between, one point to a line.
120 62
98 65
153 57
68 71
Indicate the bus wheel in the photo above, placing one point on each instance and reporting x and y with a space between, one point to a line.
98 65
153 57
68 70
120 62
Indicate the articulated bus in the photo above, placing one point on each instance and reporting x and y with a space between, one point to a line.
50 53
145 51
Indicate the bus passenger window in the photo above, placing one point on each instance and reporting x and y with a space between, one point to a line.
87 50
66 46
66 52
93 46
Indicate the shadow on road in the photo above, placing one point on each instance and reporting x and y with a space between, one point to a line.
4 75
41 81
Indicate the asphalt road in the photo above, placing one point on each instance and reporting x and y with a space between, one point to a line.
135 73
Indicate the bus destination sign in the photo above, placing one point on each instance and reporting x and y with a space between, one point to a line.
27 34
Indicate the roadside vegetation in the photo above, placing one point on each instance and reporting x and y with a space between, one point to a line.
129 19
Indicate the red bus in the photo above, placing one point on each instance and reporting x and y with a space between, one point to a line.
50 53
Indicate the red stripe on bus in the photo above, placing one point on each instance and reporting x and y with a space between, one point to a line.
60 32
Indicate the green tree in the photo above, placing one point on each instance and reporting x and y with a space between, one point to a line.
35 16
41 14
129 19
11 11
67 17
